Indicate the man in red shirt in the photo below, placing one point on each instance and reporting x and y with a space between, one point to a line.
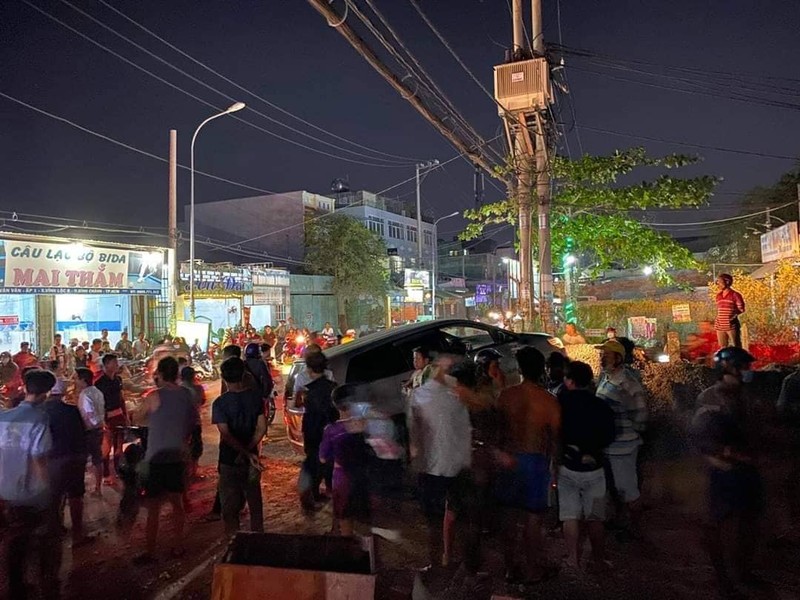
730 305
25 358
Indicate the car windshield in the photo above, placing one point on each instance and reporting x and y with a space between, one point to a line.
474 338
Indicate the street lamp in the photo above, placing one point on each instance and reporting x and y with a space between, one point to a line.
231 109
435 259
426 165
648 270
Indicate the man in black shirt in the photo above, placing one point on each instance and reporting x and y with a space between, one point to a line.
319 412
587 428
66 464
110 384
239 416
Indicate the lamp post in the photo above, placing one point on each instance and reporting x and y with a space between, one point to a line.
435 259
426 165
231 109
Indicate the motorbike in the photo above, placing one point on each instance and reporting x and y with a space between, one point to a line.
204 367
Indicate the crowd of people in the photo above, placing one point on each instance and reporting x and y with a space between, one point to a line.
485 449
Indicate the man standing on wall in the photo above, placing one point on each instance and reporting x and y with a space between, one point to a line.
730 304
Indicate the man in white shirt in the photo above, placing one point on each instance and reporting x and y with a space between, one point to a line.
140 346
91 405
441 450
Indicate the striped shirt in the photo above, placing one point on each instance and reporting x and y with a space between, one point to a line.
623 393
729 307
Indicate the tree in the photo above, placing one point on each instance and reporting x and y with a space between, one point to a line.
740 241
590 214
341 246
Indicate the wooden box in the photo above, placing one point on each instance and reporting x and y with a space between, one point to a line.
269 566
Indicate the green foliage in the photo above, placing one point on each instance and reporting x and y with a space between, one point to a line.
341 246
591 208
616 239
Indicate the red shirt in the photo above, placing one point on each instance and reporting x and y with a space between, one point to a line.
729 307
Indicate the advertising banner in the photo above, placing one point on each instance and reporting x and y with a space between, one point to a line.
33 267
780 243
641 328
221 280
417 279
681 313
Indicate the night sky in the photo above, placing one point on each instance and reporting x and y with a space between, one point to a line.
284 51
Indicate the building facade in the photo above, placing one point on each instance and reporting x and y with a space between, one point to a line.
396 222
272 224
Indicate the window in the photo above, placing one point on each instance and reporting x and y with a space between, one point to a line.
375 225
427 236
475 338
395 230
411 233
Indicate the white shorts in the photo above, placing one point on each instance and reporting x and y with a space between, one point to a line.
626 478
581 495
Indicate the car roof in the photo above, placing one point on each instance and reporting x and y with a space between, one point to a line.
407 330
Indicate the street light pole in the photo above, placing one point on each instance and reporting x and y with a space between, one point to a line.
231 109
435 260
426 165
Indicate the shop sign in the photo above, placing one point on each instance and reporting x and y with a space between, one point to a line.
218 280
270 277
417 279
33 267
780 243
455 282
469 301
415 295
9 320
268 296
681 313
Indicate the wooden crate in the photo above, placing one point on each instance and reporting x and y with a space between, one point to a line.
300 567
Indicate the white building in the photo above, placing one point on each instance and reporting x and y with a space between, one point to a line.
396 222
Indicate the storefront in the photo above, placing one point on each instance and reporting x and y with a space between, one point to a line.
76 288
219 293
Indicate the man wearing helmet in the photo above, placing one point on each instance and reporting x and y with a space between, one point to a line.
721 429
623 392
730 305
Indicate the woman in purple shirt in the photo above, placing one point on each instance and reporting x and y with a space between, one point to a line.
343 444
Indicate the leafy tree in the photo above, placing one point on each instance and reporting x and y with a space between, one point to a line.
590 211
341 246
740 241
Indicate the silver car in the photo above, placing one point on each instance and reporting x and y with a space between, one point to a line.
383 361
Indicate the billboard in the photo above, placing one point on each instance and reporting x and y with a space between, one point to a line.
35 267
779 243
417 279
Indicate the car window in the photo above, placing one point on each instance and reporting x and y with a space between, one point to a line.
473 337
386 360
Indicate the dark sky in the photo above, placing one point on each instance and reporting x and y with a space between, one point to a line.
284 51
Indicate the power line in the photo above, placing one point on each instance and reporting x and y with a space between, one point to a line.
741 217
253 94
223 94
690 144
178 88
127 146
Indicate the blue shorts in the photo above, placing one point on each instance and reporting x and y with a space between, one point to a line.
527 485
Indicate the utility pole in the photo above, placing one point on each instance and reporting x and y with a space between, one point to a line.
523 91
172 218
543 190
426 165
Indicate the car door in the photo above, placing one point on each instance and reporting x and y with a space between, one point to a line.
384 368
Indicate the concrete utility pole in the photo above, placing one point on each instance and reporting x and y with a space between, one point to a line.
543 190
172 218
420 166
523 90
